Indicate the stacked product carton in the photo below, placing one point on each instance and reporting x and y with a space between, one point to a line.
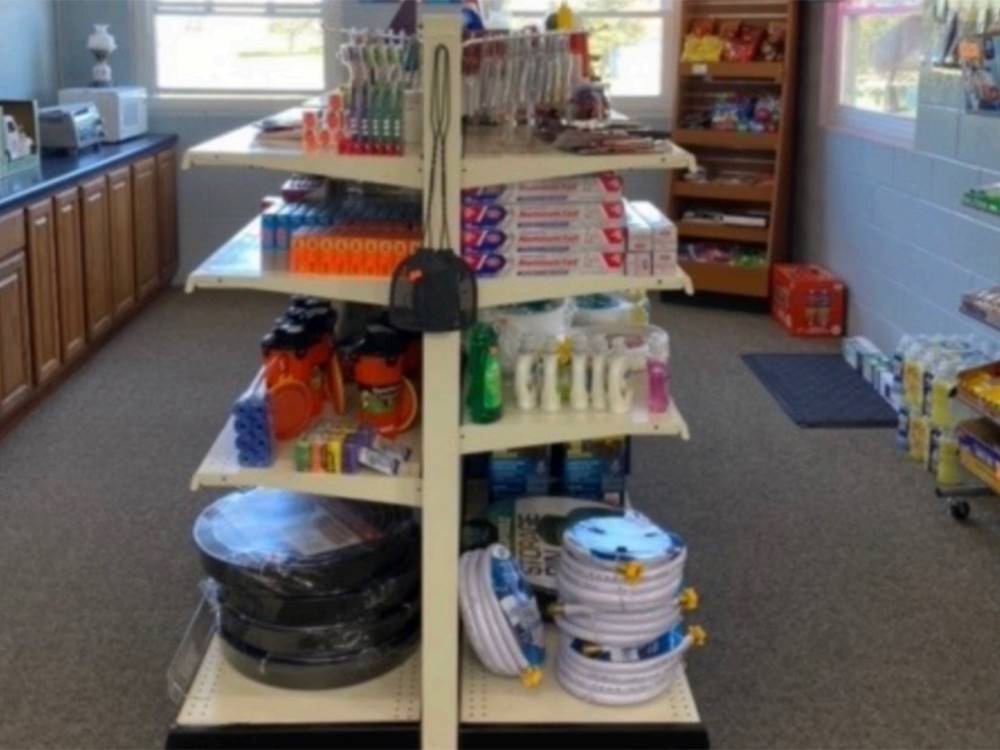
563 227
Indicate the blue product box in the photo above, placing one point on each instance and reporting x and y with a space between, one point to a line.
268 227
520 472
283 228
595 469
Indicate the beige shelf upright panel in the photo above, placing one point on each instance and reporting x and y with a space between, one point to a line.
442 500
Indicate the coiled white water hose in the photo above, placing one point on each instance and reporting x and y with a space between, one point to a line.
620 610
626 675
500 614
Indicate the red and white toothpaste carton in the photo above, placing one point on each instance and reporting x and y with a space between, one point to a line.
499 265
545 215
545 240
639 264
597 188
640 234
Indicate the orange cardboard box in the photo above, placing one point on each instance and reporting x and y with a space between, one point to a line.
807 300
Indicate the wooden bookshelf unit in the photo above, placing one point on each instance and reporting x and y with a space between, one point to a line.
766 155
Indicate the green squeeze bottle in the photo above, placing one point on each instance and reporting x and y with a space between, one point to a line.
485 396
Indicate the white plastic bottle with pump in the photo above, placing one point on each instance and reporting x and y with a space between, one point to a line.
579 398
526 374
620 389
598 372
551 399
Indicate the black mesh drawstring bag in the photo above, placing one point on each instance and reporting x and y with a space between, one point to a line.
434 291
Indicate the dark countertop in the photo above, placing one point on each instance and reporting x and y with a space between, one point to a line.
58 171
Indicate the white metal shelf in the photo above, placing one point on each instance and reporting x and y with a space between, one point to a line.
220 696
494 292
237 265
518 429
519 160
489 699
220 468
241 148
493 159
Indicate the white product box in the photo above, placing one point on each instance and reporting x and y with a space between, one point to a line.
545 240
598 188
640 234
664 262
499 265
545 215
663 229
855 349
639 264
886 387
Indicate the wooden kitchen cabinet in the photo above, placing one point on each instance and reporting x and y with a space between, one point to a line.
166 195
83 246
69 261
122 238
46 345
16 381
97 256
145 221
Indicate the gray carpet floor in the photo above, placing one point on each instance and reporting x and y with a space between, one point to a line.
844 607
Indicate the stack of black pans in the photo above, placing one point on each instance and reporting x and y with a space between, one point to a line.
311 592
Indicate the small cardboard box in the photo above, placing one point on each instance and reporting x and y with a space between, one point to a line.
807 300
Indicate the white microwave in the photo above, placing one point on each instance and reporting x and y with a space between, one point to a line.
123 109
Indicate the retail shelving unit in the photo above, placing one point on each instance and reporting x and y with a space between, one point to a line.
764 153
435 700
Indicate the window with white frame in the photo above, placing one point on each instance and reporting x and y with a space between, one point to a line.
236 47
630 38
877 47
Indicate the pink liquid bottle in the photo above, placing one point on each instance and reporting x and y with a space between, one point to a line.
658 372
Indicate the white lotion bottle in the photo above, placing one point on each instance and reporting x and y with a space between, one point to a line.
579 398
551 399
526 374
619 386
598 372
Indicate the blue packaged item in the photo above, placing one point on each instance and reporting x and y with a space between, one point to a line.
268 227
520 472
283 228
297 219
594 469
252 426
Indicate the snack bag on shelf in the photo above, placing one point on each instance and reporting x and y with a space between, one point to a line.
701 45
743 48
772 48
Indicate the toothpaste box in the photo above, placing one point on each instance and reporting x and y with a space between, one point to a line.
639 264
598 188
545 215
498 265
664 262
663 229
545 240
640 234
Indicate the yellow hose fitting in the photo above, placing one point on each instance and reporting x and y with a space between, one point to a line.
698 635
531 678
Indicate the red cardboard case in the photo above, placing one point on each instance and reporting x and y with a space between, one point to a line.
807 300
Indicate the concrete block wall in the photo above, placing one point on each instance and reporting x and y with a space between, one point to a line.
889 219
